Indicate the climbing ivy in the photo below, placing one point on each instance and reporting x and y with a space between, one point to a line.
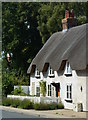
43 87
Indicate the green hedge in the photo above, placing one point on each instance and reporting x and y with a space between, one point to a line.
6 101
44 106
27 104
60 106
16 102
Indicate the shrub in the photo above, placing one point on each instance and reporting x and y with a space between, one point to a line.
45 106
60 106
53 106
6 101
16 102
18 91
26 104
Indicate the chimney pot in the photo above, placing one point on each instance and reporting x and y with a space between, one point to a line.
69 20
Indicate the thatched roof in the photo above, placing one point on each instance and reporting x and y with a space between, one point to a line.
70 45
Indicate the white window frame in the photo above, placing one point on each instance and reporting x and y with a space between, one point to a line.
51 72
68 70
69 92
49 90
37 91
37 73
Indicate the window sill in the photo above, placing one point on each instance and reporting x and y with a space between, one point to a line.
68 100
51 75
68 74
37 76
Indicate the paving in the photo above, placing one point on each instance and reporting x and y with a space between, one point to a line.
60 113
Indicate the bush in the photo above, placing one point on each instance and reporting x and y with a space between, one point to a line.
45 106
6 101
60 106
18 91
16 102
53 106
26 104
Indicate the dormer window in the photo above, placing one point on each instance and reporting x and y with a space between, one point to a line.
51 72
37 73
68 70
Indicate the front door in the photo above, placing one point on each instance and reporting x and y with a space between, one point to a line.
57 89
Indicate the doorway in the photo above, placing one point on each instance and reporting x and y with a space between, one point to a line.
57 89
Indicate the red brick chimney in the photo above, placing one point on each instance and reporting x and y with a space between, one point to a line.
69 21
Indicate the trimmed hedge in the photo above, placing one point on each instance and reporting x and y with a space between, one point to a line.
45 106
60 106
27 104
16 102
6 101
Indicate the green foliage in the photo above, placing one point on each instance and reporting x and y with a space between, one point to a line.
45 106
7 83
18 91
43 87
60 106
26 104
48 106
51 14
23 41
53 106
81 20
6 101
15 102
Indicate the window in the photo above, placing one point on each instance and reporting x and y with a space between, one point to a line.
51 72
69 92
68 70
49 90
37 73
38 91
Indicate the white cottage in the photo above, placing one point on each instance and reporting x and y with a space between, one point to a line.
62 63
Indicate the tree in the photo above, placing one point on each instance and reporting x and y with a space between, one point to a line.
20 34
51 15
20 37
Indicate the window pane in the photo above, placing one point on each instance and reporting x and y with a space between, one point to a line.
67 64
67 87
38 91
67 95
69 91
50 87
70 95
52 71
70 88
49 90
48 93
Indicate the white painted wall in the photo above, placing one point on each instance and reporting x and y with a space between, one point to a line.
77 80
